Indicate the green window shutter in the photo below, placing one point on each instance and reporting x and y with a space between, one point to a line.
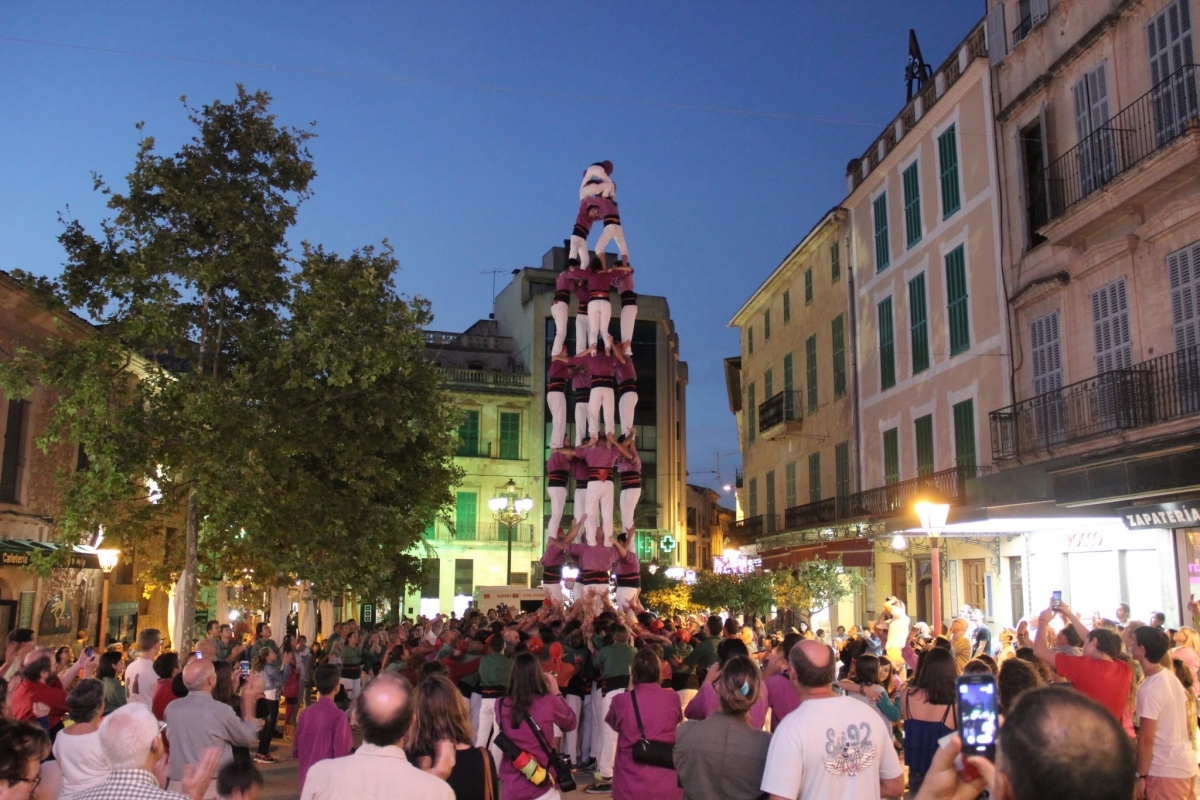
787 305
835 262
918 320
814 477
891 456
430 531
510 435
465 509
810 363
768 385
964 434
948 163
789 400
887 346
839 355
808 286
754 497
752 413
750 339
912 205
464 576
956 300
789 479
924 431
468 435
841 468
882 251
771 502
767 325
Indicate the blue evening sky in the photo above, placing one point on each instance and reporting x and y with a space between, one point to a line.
458 131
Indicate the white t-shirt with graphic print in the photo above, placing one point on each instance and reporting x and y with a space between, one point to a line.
833 748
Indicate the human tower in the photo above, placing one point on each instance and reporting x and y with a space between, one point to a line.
603 383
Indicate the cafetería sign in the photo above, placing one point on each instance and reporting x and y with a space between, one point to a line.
1184 514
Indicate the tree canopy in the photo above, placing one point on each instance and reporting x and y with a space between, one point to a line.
284 406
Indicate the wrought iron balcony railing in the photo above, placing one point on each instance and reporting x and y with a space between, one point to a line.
783 407
1022 30
1136 132
1158 390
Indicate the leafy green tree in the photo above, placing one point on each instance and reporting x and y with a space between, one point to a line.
814 585
671 599
285 409
748 593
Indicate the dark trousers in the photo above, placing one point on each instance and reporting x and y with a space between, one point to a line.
269 722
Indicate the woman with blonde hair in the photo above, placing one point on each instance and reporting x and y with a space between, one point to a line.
441 741
1187 650
703 748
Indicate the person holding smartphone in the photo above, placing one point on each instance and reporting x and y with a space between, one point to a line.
1100 673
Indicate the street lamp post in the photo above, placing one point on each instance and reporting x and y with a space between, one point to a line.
108 562
509 509
933 510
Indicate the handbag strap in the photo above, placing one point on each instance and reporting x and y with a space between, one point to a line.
541 737
487 772
637 714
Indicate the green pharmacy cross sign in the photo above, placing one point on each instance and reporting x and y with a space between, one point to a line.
666 544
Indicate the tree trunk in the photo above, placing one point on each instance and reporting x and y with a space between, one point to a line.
187 581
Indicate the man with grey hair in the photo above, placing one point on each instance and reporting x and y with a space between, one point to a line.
133 748
140 680
197 723
831 746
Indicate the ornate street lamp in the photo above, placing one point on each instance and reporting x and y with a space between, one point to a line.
108 562
932 510
509 509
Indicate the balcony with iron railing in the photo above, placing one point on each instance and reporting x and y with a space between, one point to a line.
480 531
780 416
468 341
484 380
1159 390
1167 113
1022 30
884 501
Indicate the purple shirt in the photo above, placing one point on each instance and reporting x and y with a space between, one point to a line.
559 462
554 556
622 281
322 731
599 282
579 468
629 464
594 557
600 461
625 372
706 702
627 564
659 710
548 710
582 379
602 366
782 698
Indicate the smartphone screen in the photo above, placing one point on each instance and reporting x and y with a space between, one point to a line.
1056 598
245 665
978 715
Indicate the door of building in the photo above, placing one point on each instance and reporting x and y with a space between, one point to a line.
900 582
1016 582
974 593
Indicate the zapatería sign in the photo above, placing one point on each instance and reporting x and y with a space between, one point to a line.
1184 514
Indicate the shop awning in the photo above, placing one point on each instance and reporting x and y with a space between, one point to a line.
853 552
20 553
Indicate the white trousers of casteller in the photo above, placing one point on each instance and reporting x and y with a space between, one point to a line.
558 501
599 317
610 233
579 249
581 329
626 597
557 402
560 311
596 182
602 399
571 738
599 509
581 423
608 747
629 501
554 591
628 317
626 408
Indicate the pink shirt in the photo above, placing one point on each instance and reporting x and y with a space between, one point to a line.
659 710
625 373
781 698
597 557
627 564
548 710
622 281
322 731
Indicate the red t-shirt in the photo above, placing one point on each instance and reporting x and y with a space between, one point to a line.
30 692
1106 682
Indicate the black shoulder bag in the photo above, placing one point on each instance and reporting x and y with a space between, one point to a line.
557 763
645 751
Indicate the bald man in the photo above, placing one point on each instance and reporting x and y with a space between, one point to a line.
831 746
198 722
379 769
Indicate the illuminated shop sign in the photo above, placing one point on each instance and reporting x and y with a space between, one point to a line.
1184 514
